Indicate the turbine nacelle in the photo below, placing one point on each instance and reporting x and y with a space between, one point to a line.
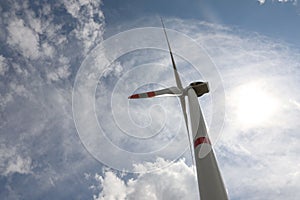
200 88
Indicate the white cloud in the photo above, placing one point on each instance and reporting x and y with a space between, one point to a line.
74 6
47 49
113 187
3 65
61 72
177 181
19 70
18 89
88 29
281 1
13 162
18 165
24 38
4 99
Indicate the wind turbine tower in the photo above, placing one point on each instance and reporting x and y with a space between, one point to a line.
210 182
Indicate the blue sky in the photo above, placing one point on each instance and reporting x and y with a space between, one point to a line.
272 18
49 146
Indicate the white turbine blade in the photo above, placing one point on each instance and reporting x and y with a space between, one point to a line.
172 91
210 181
183 107
177 78
194 109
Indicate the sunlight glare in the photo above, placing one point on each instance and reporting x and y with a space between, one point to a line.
255 106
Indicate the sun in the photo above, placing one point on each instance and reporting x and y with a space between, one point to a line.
254 105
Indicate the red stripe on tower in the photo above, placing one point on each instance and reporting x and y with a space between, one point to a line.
134 96
201 140
150 94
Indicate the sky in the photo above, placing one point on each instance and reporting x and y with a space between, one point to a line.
68 131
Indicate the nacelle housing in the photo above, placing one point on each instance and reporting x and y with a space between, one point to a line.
200 87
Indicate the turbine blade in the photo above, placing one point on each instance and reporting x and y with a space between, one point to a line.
194 109
172 91
177 78
183 107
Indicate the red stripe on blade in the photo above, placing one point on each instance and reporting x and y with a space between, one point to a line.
150 94
201 140
134 96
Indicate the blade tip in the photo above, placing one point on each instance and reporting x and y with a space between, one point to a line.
134 96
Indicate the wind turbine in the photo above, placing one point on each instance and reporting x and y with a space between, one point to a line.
210 183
